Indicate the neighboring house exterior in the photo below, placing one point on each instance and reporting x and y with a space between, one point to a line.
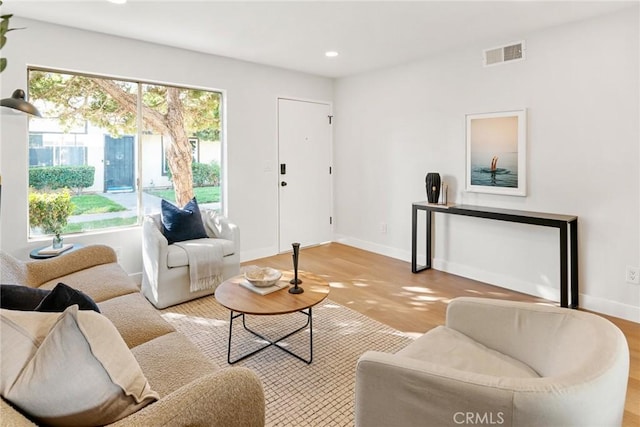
114 158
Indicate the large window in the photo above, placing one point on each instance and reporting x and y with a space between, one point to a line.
107 151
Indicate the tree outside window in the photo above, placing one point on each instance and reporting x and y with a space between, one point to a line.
92 123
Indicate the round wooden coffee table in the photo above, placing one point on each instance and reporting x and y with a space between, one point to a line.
242 301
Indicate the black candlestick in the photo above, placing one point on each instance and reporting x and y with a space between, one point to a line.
295 281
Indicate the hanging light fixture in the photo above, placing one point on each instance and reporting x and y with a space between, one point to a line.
18 102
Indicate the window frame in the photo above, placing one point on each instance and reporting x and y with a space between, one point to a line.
139 152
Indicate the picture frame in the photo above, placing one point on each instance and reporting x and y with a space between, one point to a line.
496 152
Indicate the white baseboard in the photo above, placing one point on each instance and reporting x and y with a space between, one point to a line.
599 305
611 308
507 282
596 304
374 247
257 254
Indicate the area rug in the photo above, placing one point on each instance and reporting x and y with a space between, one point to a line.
297 394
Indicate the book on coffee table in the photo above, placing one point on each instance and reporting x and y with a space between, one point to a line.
49 250
264 290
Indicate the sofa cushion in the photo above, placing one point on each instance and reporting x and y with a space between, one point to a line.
135 319
177 256
183 224
448 347
171 361
101 282
69 368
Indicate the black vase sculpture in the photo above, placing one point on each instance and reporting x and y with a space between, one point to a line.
295 281
432 185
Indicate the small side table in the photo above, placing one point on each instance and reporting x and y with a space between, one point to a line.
35 255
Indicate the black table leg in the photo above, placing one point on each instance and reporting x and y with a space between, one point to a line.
574 263
414 240
428 240
415 268
270 343
564 271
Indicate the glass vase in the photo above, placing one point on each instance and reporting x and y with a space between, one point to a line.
57 242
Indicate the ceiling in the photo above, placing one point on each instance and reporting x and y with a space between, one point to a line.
296 34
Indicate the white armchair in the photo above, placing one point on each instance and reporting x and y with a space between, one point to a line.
499 363
165 267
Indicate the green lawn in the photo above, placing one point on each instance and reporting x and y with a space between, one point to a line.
203 194
99 224
93 204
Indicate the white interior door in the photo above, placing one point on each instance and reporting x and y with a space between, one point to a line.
304 143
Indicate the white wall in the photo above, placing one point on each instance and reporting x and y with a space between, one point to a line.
580 84
251 101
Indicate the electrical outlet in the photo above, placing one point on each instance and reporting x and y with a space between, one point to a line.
383 227
633 275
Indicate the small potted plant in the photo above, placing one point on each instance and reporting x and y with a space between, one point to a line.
50 212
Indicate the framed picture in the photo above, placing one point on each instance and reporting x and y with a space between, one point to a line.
496 152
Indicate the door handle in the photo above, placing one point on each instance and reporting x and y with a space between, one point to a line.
283 184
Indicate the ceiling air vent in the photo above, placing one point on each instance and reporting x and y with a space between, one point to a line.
500 55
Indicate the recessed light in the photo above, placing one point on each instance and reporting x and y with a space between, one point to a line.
117 1
331 54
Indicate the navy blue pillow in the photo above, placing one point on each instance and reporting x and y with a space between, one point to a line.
18 297
182 224
63 296
24 298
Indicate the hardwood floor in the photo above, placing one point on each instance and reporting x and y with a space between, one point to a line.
384 289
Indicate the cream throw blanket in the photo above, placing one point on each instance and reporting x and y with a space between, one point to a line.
205 262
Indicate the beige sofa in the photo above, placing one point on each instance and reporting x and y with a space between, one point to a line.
193 391
499 363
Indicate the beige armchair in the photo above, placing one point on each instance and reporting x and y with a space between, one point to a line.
499 363
165 275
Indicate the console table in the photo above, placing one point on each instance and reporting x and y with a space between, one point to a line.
567 224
